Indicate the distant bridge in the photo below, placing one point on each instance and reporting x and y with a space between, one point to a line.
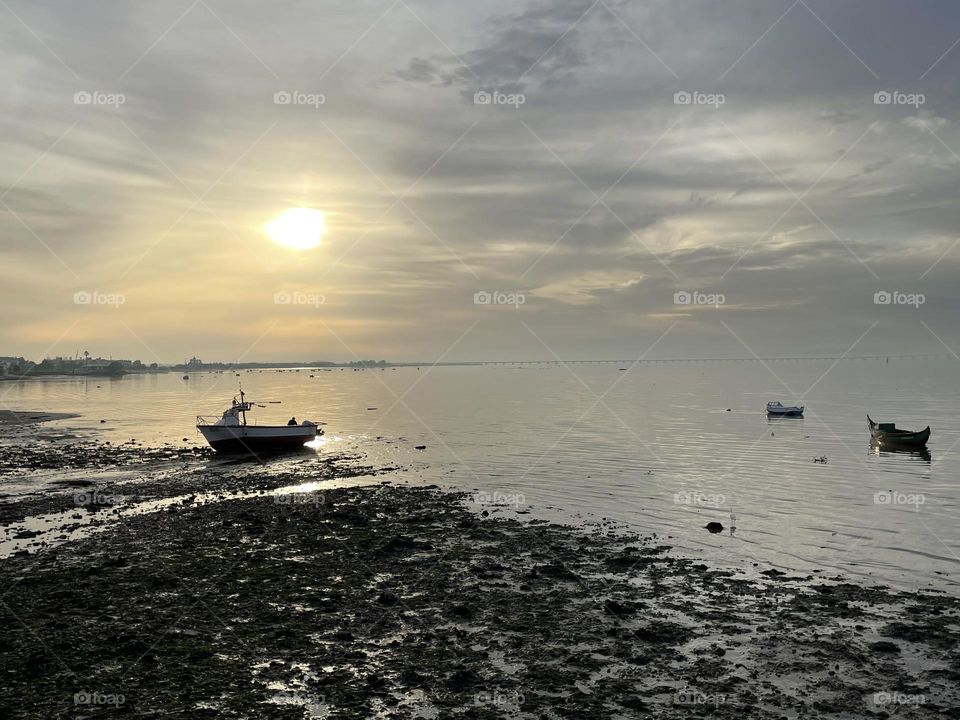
631 361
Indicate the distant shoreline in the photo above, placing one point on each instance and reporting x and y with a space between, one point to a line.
101 372
91 373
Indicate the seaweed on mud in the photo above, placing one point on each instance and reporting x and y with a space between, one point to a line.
399 602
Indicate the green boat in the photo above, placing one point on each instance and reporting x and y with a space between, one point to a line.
888 435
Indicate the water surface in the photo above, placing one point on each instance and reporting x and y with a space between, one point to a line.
662 447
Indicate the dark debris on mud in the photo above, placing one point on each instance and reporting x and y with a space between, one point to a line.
151 474
399 602
52 455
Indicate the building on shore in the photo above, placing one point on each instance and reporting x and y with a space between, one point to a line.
13 366
85 365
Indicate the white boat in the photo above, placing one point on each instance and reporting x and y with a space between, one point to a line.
232 433
777 409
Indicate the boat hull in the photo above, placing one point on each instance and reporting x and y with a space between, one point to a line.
252 439
902 439
776 409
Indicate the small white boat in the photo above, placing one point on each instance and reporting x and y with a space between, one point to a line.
232 433
777 409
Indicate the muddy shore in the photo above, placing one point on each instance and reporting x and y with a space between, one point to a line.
27 417
398 601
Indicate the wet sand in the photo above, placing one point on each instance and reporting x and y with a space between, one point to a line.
28 417
397 601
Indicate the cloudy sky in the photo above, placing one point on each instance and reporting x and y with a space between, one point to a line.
779 162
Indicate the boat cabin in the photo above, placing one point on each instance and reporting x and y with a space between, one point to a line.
235 414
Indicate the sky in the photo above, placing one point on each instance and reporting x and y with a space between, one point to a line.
498 180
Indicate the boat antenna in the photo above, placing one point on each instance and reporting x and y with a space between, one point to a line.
243 411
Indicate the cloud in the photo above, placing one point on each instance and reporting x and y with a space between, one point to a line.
926 122
599 195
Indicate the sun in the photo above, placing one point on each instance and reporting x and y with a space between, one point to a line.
297 228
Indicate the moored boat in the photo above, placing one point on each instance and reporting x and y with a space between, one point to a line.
889 435
777 409
232 433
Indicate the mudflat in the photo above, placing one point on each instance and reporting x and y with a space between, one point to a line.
400 601
31 417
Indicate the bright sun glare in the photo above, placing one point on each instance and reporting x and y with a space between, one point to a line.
297 228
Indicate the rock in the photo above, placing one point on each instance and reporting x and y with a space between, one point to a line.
401 543
388 598
462 611
714 527
663 632
411 677
36 664
618 609
903 631
884 646
635 703
420 447
462 679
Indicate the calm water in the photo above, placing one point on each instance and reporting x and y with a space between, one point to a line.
658 451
